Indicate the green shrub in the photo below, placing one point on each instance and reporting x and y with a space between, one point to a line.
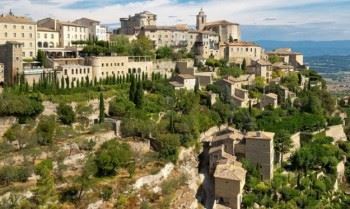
66 114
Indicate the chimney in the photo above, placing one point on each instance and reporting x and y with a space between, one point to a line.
258 134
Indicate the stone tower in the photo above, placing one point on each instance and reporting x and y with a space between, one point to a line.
201 20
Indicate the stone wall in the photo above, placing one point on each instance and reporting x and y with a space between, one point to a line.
336 132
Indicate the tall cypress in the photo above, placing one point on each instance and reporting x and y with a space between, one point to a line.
139 95
132 90
102 109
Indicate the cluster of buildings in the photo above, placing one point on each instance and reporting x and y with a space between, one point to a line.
21 38
48 34
225 150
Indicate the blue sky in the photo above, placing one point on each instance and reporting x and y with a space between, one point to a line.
260 19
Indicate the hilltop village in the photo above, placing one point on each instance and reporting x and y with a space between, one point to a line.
151 116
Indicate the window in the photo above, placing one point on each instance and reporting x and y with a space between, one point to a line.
5 26
45 35
102 64
72 71
106 64
22 27
52 36
76 71
23 54
88 70
30 27
80 70
22 35
65 71
14 26
14 35
30 35
31 54
84 70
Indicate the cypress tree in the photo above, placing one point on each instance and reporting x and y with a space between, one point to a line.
196 87
67 82
62 83
102 109
244 65
132 90
87 81
95 81
139 95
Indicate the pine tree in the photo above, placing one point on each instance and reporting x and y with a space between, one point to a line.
139 95
132 90
102 109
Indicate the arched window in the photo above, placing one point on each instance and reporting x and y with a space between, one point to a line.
40 44
52 45
46 45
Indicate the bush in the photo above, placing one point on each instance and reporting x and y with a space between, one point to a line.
19 106
66 114
45 130
106 193
10 174
111 156
120 107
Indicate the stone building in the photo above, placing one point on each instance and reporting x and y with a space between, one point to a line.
237 51
226 30
183 81
108 66
259 150
74 74
229 181
289 57
95 29
68 31
133 23
11 57
262 69
270 99
178 36
19 29
47 38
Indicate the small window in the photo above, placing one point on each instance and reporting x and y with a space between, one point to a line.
72 71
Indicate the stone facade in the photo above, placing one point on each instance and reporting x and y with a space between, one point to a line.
229 180
132 23
75 74
289 57
11 57
19 29
269 99
259 150
120 66
47 38
183 81
68 31
237 51
95 29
